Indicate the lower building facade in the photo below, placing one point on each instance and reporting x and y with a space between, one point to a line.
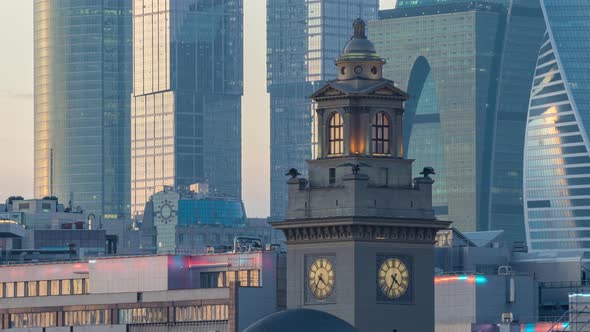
153 293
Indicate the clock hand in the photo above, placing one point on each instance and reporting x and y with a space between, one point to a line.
394 277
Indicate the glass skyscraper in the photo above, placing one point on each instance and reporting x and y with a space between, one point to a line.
304 38
82 52
187 89
467 67
557 162
415 3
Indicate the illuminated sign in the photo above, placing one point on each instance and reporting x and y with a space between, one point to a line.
544 327
472 279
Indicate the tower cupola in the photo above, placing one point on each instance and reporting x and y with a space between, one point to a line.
359 58
360 113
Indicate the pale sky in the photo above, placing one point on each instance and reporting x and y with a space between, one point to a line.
16 104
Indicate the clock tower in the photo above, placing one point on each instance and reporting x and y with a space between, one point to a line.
360 230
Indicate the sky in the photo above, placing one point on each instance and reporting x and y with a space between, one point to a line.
16 104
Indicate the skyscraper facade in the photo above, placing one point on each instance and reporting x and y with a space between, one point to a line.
82 52
187 88
303 39
416 3
466 66
557 161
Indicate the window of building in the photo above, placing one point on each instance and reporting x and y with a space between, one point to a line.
36 319
201 313
20 289
332 178
32 288
77 286
54 287
243 278
86 286
335 134
66 287
254 278
230 276
143 315
1 290
212 280
9 289
87 317
43 288
380 133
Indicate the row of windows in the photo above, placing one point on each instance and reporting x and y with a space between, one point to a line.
561 245
559 213
380 134
559 235
217 312
44 288
558 172
558 203
247 278
564 192
557 151
557 182
566 223
556 140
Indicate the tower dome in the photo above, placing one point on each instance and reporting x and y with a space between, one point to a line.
359 60
359 47
298 320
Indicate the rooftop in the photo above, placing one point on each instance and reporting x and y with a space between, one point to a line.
445 8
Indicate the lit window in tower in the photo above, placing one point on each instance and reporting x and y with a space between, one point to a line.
380 134
336 130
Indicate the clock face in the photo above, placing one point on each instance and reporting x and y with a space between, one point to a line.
321 278
166 211
394 278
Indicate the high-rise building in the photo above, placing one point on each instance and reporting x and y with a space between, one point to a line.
82 52
303 39
557 161
467 67
418 3
187 89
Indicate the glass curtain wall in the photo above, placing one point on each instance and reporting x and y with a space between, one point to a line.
186 111
82 52
467 67
557 162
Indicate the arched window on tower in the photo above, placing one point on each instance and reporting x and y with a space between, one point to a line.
335 134
380 134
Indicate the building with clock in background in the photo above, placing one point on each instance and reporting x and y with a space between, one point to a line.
193 220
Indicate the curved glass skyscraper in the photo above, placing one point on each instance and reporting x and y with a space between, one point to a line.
82 53
557 162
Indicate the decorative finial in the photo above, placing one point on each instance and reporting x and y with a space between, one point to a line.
427 171
356 168
359 28
293 173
